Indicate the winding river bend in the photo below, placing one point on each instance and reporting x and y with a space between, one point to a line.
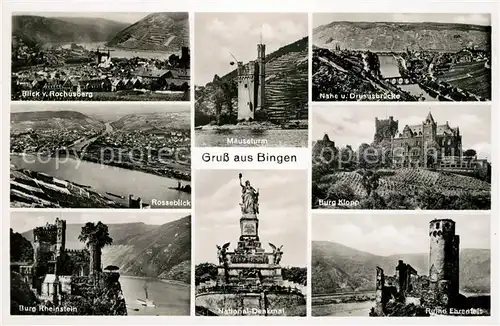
389 68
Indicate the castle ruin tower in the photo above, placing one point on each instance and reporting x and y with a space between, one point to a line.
261 59
379 289
443 261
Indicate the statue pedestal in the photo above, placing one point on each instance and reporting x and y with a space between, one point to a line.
249 226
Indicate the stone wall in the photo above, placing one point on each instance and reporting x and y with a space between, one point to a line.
248 304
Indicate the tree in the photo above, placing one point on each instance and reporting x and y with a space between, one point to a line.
369 157
470 152
173 60
295 274
205 272
95 236
218 102
370 181
20 248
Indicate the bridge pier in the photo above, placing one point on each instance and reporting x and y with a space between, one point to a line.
399 80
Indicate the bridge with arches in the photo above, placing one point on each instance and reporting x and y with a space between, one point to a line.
400 80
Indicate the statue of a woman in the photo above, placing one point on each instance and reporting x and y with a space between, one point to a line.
249 198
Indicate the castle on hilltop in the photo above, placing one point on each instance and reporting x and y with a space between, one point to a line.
53 268
416 143
251 85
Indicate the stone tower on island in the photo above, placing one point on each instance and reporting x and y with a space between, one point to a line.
251 85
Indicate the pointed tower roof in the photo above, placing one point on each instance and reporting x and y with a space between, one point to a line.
430 118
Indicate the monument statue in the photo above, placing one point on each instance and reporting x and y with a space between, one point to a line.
222 253
277 253
249 198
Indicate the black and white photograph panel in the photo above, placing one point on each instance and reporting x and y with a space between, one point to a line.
401 57
404 265
251 79
436 157
100 56
72 263
79 155
251 249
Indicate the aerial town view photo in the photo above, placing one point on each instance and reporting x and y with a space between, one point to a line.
76 56
79 155
404 157
401 265
251 79
251 258
69 263
401 57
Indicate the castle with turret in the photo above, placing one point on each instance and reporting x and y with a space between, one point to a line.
251 83
416 144
53 268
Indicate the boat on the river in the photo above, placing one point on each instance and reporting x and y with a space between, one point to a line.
186 188
146 302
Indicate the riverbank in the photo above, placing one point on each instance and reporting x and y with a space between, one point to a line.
81 184
171 173
34 189
255 126
174 282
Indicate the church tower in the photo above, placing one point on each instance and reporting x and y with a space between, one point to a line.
429 129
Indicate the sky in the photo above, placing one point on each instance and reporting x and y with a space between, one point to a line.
356 125
116 108
283 212
386 235
475 19
25 221
126 17
217 35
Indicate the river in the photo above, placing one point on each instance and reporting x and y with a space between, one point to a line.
271 138
170 299
389 68
104 178
121 53
356 309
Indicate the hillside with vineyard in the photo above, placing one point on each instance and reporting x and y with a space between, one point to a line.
407 188
162 31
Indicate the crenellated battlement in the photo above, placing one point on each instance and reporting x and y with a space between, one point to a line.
441 228
45 234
